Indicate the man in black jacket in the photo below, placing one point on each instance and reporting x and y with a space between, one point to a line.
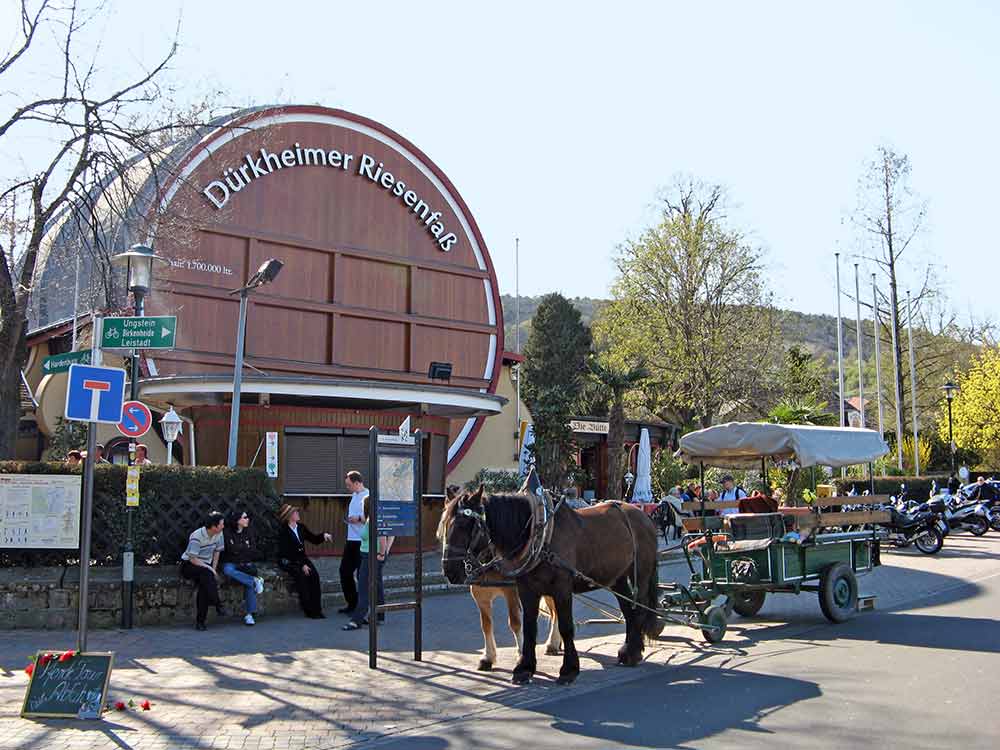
292 558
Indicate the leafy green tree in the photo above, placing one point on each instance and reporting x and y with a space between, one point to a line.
616 381
67 436
975 408
691 301
802 411
554 370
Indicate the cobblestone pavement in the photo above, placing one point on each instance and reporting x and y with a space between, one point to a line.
296 683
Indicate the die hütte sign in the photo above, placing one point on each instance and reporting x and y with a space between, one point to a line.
257 165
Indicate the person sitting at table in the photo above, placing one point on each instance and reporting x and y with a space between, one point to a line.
292 559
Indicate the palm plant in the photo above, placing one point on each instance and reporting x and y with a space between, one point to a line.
616 380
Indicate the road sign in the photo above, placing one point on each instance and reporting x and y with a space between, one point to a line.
132 487
157 332
61 362
95 394
136 419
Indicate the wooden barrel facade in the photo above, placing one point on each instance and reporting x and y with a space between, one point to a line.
385 270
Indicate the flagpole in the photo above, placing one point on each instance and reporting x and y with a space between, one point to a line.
840 348
878 356
861 375
913 388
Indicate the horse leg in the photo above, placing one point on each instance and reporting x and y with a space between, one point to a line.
630 653
563 621
554 644
514 614
484 602
527 664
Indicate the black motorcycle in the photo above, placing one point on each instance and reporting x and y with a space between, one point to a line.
923 528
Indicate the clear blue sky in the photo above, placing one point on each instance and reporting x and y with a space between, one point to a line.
558 122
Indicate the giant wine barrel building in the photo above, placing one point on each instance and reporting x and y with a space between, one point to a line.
385 272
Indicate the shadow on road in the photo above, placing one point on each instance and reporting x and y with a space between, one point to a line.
669 708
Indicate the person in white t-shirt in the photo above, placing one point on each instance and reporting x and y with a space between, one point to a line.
730 492
351 560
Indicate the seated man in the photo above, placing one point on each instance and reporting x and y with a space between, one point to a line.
200 561
730 492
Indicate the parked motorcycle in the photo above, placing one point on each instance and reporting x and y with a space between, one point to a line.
962 515
924 529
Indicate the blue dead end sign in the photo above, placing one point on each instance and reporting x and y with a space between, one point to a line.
95 394
136 419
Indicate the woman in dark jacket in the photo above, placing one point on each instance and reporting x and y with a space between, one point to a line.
292 558
239 557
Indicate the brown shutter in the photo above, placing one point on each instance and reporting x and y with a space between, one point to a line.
311 464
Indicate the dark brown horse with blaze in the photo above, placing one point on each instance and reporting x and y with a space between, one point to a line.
611 545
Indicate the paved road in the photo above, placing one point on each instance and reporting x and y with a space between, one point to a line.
920 672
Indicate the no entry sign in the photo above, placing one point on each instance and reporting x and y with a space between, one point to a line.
136 419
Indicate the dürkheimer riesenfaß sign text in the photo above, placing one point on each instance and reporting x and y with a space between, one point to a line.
265 162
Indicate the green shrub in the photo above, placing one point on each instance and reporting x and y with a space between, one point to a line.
173 502
916 487
495 480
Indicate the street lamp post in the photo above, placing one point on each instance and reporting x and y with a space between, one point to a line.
170 423
267 272
138 261
950 389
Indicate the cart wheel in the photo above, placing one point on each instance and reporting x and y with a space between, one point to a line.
716 617
838 592
748 603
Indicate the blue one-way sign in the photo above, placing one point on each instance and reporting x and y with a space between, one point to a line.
95 394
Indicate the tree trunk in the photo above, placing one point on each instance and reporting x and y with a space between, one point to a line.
14 353
616 444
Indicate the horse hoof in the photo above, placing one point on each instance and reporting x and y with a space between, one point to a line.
485 665
552 651
566 679
521 678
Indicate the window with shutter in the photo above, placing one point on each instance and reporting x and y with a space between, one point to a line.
311 464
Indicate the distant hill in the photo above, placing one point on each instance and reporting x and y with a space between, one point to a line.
817 333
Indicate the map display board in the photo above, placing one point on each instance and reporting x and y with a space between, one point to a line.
397 511
40 511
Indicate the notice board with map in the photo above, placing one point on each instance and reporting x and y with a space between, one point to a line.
40 511
397 508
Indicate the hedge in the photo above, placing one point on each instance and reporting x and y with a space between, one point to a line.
173 502
916 487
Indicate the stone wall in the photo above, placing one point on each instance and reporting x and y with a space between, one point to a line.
48 598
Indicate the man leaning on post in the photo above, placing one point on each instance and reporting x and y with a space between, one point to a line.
199 563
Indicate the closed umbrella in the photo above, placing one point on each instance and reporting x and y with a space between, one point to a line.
643 492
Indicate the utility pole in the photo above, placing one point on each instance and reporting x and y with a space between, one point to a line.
878 358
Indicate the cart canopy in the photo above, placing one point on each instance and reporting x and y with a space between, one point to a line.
743 444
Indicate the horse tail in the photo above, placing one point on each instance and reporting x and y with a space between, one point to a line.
649 621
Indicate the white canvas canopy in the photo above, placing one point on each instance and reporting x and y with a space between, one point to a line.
743 444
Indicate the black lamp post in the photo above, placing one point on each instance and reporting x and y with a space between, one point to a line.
138 261
950 389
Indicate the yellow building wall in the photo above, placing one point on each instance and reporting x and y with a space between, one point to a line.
495 447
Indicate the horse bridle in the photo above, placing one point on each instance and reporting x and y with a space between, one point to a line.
473 562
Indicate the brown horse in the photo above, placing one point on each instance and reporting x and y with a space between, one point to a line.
611 545
483 595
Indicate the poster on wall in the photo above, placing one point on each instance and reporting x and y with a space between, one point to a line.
271 454
40 511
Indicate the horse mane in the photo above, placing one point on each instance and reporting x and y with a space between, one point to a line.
446 517
508 517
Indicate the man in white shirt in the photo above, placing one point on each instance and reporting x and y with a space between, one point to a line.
351 560
730 492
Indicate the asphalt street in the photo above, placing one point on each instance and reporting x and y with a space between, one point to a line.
918 672
921 673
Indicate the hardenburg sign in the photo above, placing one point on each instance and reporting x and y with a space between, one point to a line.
255 166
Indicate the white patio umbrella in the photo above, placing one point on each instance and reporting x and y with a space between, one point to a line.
643 492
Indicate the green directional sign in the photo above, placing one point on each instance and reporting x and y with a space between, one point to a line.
61 362
156 332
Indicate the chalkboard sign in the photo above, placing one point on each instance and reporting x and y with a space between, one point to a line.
74 689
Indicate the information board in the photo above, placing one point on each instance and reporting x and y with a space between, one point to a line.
397 511
75 689
40 511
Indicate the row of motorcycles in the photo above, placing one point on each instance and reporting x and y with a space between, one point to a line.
975 509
